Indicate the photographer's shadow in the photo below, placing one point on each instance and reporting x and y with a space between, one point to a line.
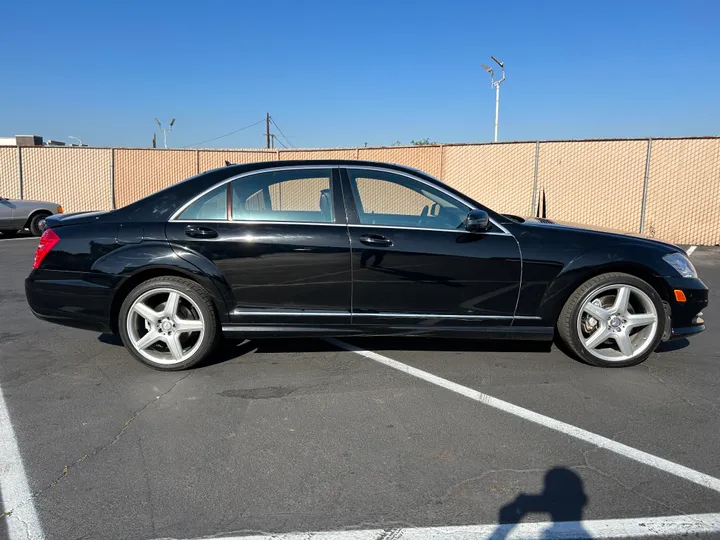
563 497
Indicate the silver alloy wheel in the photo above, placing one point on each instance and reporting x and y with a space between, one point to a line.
617 322
166 326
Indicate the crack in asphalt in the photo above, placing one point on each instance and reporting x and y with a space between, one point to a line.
623 485
68 468
687 401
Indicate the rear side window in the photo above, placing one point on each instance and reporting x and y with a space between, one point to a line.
210 207
301 195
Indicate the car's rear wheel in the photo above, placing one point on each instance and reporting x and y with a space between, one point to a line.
169 323
613 320
37 224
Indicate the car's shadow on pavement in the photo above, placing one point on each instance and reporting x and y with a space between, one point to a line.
23 234
231 349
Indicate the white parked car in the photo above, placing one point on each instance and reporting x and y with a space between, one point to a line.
16 215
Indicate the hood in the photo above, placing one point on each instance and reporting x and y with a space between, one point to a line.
544 222
60 220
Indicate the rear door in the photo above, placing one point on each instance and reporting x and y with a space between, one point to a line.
415 264
279 238
8 220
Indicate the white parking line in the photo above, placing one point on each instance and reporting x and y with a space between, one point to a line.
23 522
3 239
599 441
690 250
693 524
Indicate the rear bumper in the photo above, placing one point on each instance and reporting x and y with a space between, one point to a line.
72 299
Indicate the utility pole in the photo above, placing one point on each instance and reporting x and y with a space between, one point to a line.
496 84
267 129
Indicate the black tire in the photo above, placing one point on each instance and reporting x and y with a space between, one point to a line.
568 320
211 331
35 222
8 234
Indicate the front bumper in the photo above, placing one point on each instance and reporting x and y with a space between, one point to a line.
685 318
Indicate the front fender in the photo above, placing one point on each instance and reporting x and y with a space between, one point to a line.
617 258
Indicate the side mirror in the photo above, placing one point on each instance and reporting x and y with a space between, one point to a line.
477 221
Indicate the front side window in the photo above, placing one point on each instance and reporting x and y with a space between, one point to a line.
302 195
389 199
210 207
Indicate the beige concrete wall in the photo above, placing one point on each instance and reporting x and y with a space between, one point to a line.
683 199
9 179
76 178
140 172
212 159
591 182
500 176
595 182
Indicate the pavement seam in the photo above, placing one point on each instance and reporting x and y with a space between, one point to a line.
68 468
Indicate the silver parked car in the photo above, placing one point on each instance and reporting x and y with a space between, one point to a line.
16 214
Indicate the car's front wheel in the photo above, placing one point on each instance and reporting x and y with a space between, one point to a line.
613 320
169 323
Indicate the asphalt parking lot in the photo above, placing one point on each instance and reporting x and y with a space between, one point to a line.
306 435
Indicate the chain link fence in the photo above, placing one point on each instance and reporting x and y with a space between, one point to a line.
665 188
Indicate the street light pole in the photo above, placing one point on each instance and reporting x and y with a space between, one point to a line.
496 84
165 131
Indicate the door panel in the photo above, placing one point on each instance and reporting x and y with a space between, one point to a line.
281 269
413 262
434 273
7 217
276 238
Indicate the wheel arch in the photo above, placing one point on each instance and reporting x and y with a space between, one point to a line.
146 273
565 284
39 211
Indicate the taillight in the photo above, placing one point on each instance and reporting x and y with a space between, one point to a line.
47 242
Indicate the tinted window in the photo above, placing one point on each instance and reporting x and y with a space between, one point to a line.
303 195
210 207
385 198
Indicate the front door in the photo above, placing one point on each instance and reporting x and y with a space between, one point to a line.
280 240
415 264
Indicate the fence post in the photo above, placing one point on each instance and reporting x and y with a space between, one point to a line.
357 153
535 175
197 161
112 178
20 172
442 161
645 187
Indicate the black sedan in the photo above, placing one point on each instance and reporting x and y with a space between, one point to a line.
351 248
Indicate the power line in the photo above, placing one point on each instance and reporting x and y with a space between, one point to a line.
278 140
281 133
227 134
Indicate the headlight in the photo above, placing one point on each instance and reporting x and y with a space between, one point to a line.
682 264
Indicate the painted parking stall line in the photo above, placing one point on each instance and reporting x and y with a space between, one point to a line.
599 441
684 525
21 518
690 250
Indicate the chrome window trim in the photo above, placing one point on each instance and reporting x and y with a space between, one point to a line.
387 315
439 188
243 175
260 222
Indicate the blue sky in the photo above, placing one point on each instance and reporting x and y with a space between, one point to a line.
341 73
